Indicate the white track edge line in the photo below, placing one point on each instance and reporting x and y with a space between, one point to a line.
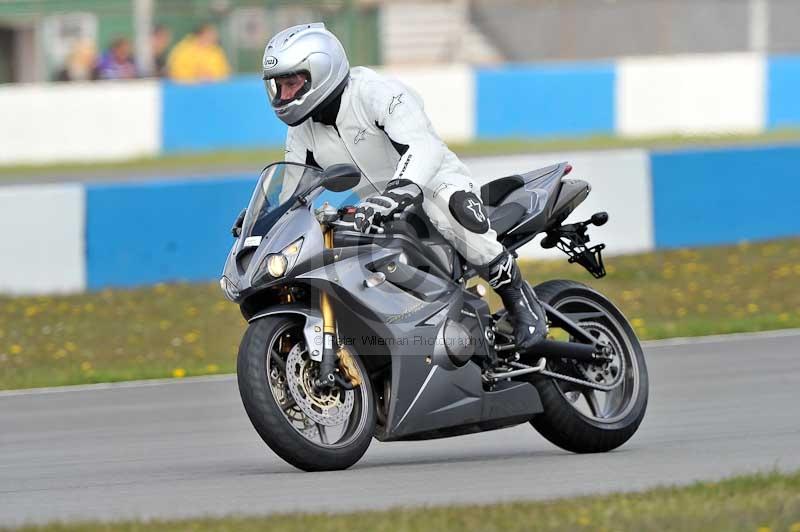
667 342
118 385
721 338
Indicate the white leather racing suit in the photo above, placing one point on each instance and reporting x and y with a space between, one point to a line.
382 128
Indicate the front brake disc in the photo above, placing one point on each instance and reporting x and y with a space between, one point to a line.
330 408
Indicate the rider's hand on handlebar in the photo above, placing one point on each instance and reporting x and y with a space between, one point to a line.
372 211
399 194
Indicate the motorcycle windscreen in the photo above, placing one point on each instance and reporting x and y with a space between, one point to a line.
337 199
277 189
275 194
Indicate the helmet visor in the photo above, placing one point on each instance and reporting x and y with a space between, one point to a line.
283 90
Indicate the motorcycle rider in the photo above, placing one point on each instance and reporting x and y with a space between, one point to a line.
340 114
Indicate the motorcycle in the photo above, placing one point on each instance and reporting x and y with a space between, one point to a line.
387 335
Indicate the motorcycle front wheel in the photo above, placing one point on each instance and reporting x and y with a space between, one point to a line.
579 418
311 430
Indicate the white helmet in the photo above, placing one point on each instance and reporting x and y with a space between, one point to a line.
304 67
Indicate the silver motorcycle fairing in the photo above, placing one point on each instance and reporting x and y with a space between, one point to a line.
294 224
428 400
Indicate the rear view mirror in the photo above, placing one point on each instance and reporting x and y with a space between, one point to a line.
340 177
236 230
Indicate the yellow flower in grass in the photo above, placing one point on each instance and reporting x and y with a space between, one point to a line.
191 337
31 311
86 366
784 316
752 308
15 349
795 527
584 520
212 368
179 373
783 271
763 529
637 323
628 295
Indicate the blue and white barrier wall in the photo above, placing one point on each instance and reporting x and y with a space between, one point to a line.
74 237
79 121
693 94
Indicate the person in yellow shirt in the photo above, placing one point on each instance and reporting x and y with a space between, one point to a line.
198 57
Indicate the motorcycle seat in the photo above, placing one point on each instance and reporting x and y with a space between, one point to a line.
504 217
494 192
509 199
497 190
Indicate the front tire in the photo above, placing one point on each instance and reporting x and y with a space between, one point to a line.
279 419
592 427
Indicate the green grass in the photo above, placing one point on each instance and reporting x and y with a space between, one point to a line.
184 329
691 292
256 158
754 503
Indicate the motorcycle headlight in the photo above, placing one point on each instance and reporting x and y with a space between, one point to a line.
277 264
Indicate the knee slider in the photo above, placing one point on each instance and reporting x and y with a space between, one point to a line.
468 211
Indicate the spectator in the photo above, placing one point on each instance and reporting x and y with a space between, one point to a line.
198 57
160 41
81 64
117 62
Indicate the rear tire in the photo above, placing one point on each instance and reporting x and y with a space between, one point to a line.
562 423
269 418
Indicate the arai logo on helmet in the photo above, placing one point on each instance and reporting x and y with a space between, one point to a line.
270 62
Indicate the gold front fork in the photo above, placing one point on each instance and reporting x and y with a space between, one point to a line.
328 320
349 367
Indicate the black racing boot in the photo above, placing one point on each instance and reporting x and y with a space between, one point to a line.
527 314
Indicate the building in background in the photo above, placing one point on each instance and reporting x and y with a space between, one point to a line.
36 37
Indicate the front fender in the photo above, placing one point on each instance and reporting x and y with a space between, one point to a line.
312 330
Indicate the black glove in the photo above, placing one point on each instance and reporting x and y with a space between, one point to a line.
399 195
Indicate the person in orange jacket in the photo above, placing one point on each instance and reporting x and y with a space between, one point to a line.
198 57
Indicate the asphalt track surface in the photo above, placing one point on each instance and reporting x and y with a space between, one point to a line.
718 406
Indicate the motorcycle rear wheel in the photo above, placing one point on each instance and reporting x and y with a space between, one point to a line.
574 416
294 435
